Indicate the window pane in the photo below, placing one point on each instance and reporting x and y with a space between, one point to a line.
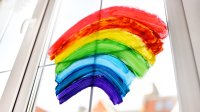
14 18
155 92
46 98
69 14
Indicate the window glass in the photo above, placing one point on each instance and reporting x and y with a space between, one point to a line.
65 20
155 92
14 20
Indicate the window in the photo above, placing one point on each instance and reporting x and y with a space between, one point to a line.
160 76
15 17
32 77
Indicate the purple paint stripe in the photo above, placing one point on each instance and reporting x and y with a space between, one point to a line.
92 81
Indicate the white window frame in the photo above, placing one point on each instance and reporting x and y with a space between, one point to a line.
183 18
183 23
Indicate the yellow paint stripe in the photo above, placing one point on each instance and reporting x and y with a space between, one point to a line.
119 35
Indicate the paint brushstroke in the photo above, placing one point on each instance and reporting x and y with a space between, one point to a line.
94 70
126 38
107 52
92 81
134 61
104 60
149 20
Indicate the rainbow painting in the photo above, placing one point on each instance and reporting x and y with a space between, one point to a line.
107 49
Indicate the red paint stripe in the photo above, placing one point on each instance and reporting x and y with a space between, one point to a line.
149 20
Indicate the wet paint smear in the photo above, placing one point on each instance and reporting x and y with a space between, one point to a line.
107 52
